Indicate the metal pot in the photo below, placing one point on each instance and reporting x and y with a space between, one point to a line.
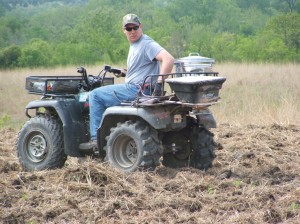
194 63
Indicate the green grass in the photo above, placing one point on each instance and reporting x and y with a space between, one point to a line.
5 121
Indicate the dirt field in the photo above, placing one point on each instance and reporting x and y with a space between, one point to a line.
255 179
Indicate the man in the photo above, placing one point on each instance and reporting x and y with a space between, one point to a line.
145 57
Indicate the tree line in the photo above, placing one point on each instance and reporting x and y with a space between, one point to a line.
49 33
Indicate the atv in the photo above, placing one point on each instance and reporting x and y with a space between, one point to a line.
172 129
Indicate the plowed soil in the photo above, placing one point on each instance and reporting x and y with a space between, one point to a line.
254 179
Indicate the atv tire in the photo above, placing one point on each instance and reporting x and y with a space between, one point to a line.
133 146
40 144
195 148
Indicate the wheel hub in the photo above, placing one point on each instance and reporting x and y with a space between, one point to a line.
179 145
131 151
37 148
125 154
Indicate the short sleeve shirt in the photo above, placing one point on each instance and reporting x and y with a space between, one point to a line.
141 60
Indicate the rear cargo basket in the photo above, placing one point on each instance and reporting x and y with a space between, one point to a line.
196 89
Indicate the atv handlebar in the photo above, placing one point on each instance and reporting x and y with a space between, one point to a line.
117 72
92 82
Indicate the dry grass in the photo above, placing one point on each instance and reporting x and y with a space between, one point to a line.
254 179
252 94
14 97
259 94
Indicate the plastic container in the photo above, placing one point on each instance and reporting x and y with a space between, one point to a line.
196 89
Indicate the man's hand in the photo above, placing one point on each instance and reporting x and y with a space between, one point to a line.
157 89
121 73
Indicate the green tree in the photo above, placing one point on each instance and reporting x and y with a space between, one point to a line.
223 46
37 53
10 56
201 39
226 16
252 20
2 11
88 32
285 5
287 28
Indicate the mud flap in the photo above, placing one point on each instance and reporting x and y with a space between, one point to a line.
207 120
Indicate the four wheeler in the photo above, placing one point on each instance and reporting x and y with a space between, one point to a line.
172 129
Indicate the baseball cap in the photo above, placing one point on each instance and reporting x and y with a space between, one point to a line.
131 19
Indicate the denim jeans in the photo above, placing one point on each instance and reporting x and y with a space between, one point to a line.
108 96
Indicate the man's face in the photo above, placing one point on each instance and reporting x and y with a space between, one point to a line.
133 32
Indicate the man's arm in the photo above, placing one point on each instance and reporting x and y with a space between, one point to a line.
167 62
166 65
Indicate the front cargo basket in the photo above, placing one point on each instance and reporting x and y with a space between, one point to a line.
58 85
44 85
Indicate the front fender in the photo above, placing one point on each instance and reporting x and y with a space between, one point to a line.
42 103
70 114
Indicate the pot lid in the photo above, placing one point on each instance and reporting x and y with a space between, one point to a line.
194 57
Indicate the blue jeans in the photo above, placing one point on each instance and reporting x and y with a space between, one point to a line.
108 96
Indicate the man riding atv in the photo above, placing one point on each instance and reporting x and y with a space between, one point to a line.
145 57
155 117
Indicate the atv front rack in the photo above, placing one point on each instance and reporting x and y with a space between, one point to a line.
48 85
58 85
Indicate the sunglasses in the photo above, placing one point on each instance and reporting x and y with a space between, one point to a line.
129 29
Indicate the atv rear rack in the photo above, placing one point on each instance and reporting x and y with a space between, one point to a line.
189 89
155 102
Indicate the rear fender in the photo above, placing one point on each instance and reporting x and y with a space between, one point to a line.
160 118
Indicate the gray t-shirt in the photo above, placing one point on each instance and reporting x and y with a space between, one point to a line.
141 60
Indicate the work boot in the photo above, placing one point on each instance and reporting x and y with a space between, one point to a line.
92 144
